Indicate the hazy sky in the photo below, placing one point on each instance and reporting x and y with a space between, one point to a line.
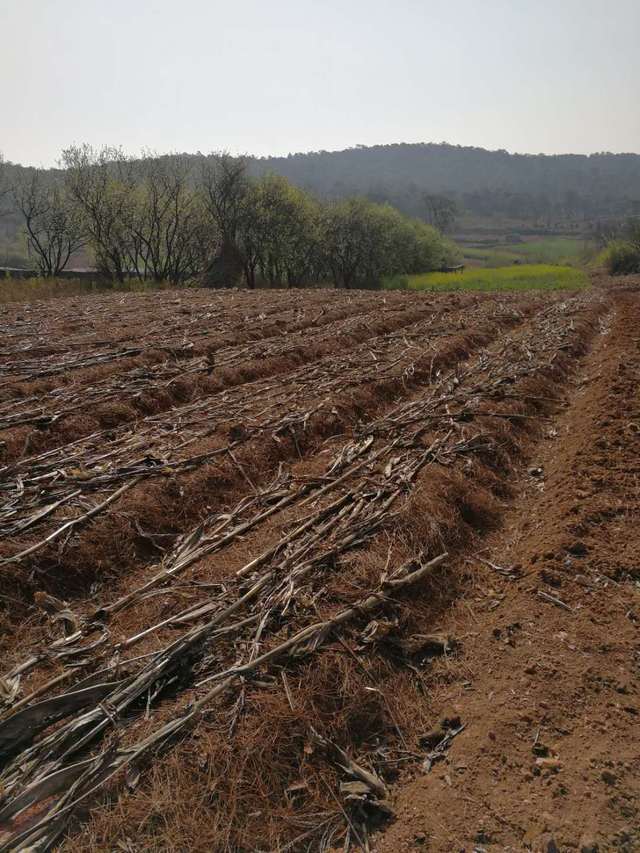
273 76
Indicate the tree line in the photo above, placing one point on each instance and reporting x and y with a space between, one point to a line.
175 218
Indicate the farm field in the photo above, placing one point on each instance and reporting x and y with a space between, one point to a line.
546 250
498 279
312 570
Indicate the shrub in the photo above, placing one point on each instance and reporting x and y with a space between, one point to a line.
622 257
396 282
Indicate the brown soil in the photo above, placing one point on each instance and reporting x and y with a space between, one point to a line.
533 490
549 694
321 399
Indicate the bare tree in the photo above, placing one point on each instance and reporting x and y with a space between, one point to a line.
441 212
102 183
249 238
4 183
169 237
225 187
54 228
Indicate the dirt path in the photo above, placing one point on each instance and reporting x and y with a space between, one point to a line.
549 692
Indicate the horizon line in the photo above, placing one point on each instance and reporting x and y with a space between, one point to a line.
354 147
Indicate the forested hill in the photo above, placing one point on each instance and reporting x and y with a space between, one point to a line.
485 183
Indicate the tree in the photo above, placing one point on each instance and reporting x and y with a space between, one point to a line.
102 184
441 212
224 188
169 237
302 260
358 242
54 227
365 242
344 238
282 223
4 184
250 236
225 185
603 233
3 179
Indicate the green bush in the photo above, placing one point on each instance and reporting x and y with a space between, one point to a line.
362 244
621 258
396 282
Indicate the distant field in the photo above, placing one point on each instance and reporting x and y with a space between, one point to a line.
523 277
549 250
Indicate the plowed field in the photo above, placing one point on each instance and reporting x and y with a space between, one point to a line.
319 570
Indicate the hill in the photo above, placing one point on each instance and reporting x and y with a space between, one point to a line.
484 183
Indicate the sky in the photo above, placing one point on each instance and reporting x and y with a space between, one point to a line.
277 76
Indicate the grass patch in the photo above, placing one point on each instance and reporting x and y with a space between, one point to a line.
523 277
553 250
549 250
35 289
492 257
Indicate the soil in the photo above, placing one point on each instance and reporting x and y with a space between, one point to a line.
510 727
549 688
